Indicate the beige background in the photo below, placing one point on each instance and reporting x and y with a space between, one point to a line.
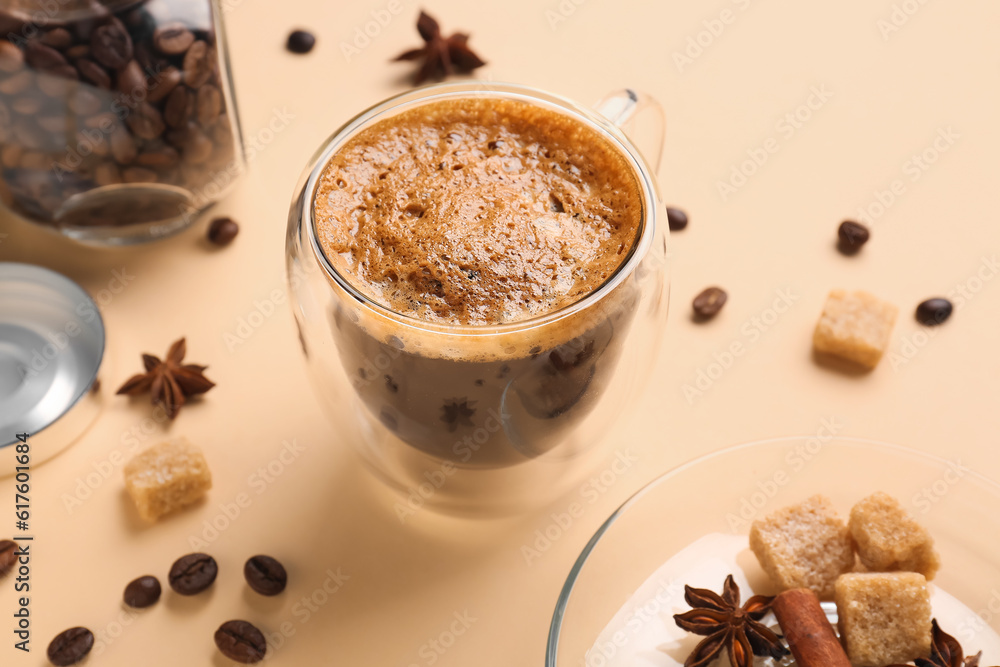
887 98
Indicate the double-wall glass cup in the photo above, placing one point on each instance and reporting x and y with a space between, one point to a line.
484 419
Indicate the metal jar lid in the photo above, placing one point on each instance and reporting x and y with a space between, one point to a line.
52 342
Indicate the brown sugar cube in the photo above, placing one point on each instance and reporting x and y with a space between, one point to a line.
888 538
854 326
884 617
804 546
167 477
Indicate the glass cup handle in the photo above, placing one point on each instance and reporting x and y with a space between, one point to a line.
624 108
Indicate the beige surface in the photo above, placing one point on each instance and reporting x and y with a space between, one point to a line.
880 101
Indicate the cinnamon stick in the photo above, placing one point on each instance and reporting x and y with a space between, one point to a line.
807 630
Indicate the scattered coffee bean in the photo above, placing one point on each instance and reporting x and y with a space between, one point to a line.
191 574
241 641
142 592
173 39
300 41
265 575
852 235
70 646
222 231
676 219
709 302
934 311
8 557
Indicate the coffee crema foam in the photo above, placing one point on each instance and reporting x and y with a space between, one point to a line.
477 211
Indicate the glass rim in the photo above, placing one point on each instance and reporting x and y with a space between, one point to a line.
305 206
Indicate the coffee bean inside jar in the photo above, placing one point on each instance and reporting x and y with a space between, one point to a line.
116 116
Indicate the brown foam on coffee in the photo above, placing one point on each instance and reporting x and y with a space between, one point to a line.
477 211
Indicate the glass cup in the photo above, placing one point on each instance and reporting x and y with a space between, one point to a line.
118 122
483 418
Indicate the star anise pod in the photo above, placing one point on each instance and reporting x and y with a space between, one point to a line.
458 413
170 382
727 625
441 56
945 652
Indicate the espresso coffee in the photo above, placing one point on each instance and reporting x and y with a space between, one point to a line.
479 212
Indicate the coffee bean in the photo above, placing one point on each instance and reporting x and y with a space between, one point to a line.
35 160
173 39
66 71
222 133
158 156
676 219
175 111
11 57
222 231
54 124
241 641
94 73
165 83
142 592
43 57
27 105
17 83
58 38
300 41
197 148
105 119
107 173
8 549
70 646
934 311
84 102
852 236
56 87
10 157
263 573
132 80
198 62
146 122
709 302
191 574
78 51
209 105
111 45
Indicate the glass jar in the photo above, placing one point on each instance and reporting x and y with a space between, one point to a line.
484 419
118 122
